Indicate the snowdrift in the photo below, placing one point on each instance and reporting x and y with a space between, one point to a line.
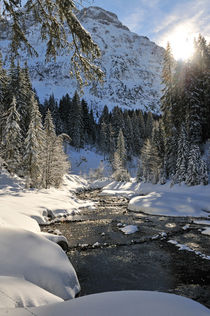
123 303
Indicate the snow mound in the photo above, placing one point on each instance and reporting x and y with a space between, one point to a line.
37 260
28 294
206 230
129 229
122 303
178 200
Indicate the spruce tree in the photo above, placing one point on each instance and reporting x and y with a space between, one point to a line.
194 109
167 81
196 171
182 157
12 139
128 132
34 143
104 138
150 162
61 164
86 129
149 125
75 122
157 140
117 123
20 87
119 161
168 102
64 109
200 93
141 125
55 163
137 138
48 151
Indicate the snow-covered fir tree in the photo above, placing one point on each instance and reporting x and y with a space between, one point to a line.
55 163
150 164
197 169
34 144
48 151
12 139
119 161
61 164
148 155
182 157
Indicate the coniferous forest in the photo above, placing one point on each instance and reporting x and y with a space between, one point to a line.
169 146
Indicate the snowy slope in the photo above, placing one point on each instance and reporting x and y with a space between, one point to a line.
122 303
34 270
132 64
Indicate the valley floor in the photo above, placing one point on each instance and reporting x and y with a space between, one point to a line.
32 260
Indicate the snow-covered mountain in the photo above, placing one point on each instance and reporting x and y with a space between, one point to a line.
132 65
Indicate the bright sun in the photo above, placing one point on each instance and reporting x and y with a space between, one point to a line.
182 48
182 43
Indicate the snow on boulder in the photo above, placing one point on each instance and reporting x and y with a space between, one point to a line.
17 292
124 303
38 260
129 229
58 239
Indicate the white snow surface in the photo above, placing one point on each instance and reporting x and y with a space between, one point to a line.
27 253
124 303
129 229
206 230
26 208
86 160
176 200
27 295
37 260
40 270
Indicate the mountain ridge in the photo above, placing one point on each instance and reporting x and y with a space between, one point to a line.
132 65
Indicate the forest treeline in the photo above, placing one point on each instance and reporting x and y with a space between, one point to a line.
169 146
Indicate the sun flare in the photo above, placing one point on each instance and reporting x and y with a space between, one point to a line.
182 47
182 42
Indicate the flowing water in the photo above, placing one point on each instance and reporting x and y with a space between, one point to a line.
106 259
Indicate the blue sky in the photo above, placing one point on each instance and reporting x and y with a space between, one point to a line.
161 20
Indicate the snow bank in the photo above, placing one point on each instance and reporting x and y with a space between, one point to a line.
183 203
178 200
126 189
123 303
37 260
26 208
27 253
206 230
28 294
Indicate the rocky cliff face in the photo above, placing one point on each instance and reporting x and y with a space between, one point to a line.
132 65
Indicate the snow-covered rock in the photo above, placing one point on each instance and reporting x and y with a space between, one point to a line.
132 64
122 303
129 229
38 261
